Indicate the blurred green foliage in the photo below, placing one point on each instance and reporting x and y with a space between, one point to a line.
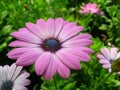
104 29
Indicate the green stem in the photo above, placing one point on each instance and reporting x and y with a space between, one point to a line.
102 81
107 77
55 83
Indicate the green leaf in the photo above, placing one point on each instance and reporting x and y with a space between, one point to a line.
4 14
103 27
34 88
2 46
112 80
97 44
6 30
112 10
70 86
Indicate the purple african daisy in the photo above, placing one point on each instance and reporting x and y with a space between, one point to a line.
12 78
53 45
108 56
91 9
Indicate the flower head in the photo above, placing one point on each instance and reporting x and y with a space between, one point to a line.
91 9
53 46
109 58
12 78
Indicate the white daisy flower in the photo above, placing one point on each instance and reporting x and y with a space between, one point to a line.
12 78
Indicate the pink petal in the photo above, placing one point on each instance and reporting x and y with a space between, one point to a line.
26 36
82 56
85 49
66 22
58 26
50 27
69 59
47 28
82 36
104 61
41 23
42 63
51 69
100 56
15 53
118 55
106 53
113 53
106 65
29 57
82 49
18 43
42 28
63 70
68 31
77 43
36 30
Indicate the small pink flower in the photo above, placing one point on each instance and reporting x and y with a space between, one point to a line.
53 46
90 9
12 78
107 57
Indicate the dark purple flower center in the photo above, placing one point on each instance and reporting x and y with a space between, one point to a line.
7 85
51 45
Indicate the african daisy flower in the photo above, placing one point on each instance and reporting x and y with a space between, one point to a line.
91 9
109 56
12 78
53 45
